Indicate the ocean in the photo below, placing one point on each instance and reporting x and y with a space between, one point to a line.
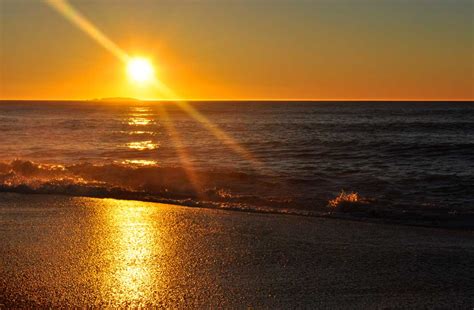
405 161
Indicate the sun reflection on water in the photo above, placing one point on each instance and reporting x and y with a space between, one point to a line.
142 145
141 109
139 121
140 116
140 162
141 132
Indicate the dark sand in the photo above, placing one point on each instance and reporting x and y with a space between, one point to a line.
64 251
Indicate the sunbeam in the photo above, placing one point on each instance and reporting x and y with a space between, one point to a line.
76 18
182 153
214 129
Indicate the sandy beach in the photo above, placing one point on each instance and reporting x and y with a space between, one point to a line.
59 251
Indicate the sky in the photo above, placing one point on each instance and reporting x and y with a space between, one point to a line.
243 49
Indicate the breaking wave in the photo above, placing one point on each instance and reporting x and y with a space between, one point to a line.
212 189
141 182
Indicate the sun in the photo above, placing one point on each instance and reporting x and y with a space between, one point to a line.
140 70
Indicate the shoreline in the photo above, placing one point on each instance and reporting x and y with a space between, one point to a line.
393 219
60 251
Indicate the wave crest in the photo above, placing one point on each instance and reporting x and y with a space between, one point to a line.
149 182
209 189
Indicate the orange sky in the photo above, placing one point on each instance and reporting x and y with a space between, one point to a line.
347 49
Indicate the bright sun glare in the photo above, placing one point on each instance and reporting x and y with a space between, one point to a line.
140 70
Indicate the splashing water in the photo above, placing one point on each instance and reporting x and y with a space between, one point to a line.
344 198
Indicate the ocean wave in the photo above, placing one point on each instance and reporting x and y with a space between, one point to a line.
141 179
231 190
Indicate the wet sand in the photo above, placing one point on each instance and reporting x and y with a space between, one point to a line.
65 251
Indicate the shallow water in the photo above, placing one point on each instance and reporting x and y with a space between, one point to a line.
253 155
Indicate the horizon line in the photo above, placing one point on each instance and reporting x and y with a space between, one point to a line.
124 99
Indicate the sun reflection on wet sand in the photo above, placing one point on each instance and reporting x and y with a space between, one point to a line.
136 244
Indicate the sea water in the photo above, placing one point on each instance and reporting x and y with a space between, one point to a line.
278 156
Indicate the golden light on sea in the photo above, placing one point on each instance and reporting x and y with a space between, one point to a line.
142 145
139 121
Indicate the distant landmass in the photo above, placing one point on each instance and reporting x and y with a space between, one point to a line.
115 99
